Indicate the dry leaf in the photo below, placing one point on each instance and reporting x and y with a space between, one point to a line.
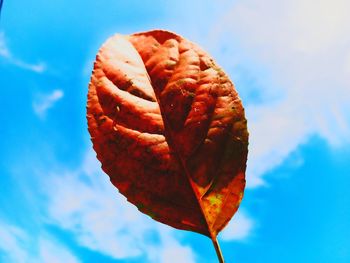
169 129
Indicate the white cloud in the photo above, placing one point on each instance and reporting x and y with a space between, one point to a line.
18 246
12 243
304 45
239 228
50 251
44 102
10 58
101 219
4 51
170 250
38 68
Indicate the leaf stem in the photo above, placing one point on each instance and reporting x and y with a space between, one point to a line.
218 250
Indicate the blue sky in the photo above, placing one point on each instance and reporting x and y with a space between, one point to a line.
290 61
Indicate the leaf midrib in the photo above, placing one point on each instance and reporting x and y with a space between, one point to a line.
168 137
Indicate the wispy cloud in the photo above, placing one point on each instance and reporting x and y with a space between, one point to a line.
44 102
305 48
240 228
170 250
101 219
4 51
17 246
12 243
39 67
6 54
51 251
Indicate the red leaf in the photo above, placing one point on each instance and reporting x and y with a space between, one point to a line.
169 129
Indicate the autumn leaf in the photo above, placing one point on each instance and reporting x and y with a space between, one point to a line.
169 129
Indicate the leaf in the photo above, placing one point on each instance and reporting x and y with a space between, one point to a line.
169 129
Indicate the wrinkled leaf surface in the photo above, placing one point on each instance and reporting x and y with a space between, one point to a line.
169 129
